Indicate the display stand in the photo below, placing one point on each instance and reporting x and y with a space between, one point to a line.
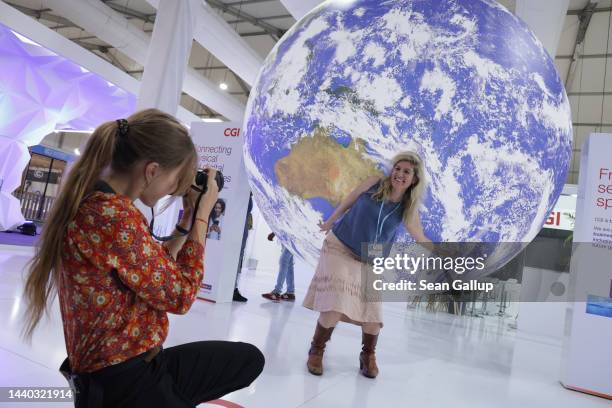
219 146
586 359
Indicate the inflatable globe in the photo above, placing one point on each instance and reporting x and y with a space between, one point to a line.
464 83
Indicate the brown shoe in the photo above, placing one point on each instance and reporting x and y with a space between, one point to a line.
317 347
273 296
367 358
289 297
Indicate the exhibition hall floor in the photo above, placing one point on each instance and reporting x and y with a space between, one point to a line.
426 359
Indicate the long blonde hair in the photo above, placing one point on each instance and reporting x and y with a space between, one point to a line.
152 136
413 195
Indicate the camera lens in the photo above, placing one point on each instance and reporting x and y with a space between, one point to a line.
201 179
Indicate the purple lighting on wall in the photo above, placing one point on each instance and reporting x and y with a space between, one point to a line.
41 91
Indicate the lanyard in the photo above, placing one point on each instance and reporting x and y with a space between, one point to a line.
379 225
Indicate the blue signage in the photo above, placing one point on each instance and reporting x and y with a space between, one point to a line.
52 153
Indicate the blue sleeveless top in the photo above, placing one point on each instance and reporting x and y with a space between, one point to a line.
359 224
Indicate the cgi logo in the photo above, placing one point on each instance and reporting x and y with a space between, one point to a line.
554 218
234 132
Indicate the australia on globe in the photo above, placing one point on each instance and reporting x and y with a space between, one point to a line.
464 83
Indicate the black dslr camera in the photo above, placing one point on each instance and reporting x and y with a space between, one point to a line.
201 180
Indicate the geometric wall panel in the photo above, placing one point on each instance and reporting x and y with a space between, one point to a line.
14 158
41 91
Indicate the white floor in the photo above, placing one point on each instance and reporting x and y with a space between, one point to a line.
426 359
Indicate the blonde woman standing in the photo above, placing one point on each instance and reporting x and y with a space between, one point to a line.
371 213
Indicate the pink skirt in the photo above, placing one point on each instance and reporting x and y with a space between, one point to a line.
337 285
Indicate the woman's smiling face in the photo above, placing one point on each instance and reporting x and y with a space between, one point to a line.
403 176
218 209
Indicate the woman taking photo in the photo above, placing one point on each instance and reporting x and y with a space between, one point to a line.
116 284
371 213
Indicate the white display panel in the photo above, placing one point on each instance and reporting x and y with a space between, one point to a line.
219 145
587 360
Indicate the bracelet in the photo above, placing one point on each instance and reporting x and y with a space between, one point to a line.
181 229
202 220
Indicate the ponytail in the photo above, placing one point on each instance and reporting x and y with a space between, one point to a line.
41 282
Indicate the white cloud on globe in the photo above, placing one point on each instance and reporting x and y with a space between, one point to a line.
462 82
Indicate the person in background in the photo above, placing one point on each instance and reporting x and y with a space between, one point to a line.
248 225
116 284
285 274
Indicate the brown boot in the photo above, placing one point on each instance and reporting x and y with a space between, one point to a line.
315 354
367 358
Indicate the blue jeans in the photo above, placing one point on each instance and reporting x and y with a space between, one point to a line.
285 272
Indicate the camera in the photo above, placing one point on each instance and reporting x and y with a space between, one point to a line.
201 179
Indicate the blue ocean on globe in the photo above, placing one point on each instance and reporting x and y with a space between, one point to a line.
464 83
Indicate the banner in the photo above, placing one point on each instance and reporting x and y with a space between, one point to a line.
219 145
586 358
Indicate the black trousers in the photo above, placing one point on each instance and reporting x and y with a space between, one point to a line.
181 376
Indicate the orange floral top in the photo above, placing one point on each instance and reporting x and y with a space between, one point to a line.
117 283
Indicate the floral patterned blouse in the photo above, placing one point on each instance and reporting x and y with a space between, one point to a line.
117 283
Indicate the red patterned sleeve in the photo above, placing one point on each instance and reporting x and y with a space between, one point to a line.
121 241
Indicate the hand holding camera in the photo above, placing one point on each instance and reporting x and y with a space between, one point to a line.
205 189
207 184
202 178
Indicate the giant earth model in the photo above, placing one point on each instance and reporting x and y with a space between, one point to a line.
463 82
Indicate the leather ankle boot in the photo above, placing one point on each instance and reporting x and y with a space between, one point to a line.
317 347
367 358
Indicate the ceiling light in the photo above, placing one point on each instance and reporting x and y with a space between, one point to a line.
77 151
223 86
